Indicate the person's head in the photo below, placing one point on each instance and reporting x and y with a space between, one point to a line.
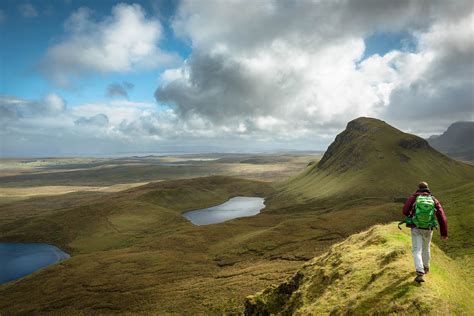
423 185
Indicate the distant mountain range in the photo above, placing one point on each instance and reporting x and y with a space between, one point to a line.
457 141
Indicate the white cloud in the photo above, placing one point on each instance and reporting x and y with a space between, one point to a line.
13 108
48 127
54 103
298 64
440 85
116 110
283 75
125 41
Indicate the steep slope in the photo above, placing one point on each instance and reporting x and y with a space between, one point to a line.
456 141
370 158
369 273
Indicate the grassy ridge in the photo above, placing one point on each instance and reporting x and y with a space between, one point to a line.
458 203
371 163
369 273
373 159
133 252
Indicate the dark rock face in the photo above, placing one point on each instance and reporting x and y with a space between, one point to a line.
403 158
347 144
310 163
280 297
341 139
357 125
413 143
364 124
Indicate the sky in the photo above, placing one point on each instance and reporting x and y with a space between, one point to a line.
92 78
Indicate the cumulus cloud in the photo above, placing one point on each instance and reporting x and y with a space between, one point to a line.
119 89
15 108
296 69
286 74
28 10
210 24
53 103
125 41
48 127
443 90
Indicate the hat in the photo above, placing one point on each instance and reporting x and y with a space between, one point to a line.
423 185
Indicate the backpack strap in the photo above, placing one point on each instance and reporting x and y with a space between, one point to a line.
435 200
413 206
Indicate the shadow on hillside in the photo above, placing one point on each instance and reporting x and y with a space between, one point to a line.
398 288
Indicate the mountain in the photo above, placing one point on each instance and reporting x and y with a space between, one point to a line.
457 141
132 252
369 273
370 158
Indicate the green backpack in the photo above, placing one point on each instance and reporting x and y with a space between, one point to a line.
424 215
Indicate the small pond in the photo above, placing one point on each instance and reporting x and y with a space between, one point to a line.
240 206
18 259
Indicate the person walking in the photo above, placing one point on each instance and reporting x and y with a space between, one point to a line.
423 211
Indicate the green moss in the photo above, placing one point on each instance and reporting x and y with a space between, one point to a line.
371 273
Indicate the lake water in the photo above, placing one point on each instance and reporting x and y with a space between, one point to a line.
18 259
240 206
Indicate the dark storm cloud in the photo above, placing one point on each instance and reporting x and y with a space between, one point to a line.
214 81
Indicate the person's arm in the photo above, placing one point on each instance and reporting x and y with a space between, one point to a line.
407 208
441 217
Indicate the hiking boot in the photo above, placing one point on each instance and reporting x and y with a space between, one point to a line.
426 269
419 278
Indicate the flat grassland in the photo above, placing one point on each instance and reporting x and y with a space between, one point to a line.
82 174
120 212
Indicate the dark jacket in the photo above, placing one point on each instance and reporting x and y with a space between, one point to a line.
440 216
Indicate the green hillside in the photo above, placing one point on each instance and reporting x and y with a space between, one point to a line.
369 273
133 252
370 158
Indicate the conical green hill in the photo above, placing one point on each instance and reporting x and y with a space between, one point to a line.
370 158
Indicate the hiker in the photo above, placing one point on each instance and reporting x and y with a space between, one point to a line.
420 210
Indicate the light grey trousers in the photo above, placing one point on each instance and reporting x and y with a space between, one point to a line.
420 243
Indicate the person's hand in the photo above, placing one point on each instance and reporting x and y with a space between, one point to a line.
444 237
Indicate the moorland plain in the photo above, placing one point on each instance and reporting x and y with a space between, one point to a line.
133 251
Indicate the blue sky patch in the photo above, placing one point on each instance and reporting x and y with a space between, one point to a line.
384 42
